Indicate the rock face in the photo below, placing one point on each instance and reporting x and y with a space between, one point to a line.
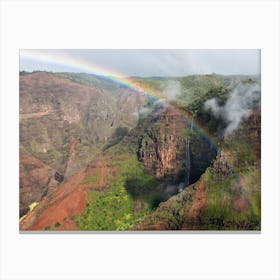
227 196
221 164
64 124
62 121
36 181
162 147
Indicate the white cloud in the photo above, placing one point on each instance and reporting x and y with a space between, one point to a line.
237 107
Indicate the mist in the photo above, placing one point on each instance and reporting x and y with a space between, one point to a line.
242 99
172 90
144 111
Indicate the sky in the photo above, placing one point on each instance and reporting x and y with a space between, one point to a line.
144 63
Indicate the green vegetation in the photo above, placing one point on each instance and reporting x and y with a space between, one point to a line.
129 199
108 210
193 92
74 217
252 187
57 225
223 195
117 136
99 82
172 213
21 73
243 152
90 179
48 227
197 89
232 203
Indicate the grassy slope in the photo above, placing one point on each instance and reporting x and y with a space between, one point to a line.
218 212
125 202
218 201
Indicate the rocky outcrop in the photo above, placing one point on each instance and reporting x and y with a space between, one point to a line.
226 197
221 165
36 181
63 126
64 123
161 148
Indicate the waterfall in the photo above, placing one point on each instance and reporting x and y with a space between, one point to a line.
188 163
188 160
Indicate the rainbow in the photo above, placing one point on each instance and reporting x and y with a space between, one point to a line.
38 56
78 65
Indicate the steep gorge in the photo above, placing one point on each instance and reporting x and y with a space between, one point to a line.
227 196
162 147
64 124
94 162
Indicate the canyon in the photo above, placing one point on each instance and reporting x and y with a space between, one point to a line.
97 155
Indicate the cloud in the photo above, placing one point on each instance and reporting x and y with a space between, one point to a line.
172 90
145 111
145 62
238 106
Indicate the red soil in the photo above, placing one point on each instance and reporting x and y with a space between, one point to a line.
199 201
62 211
69 199
102 171
241 204
192 220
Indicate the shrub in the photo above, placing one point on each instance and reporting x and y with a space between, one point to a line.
57 225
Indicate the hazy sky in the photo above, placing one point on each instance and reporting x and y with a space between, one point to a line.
143 62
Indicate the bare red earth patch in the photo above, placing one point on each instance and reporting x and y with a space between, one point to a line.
70 199
62 212
199 201
241 204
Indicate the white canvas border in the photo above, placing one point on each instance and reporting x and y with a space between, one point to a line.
158 24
